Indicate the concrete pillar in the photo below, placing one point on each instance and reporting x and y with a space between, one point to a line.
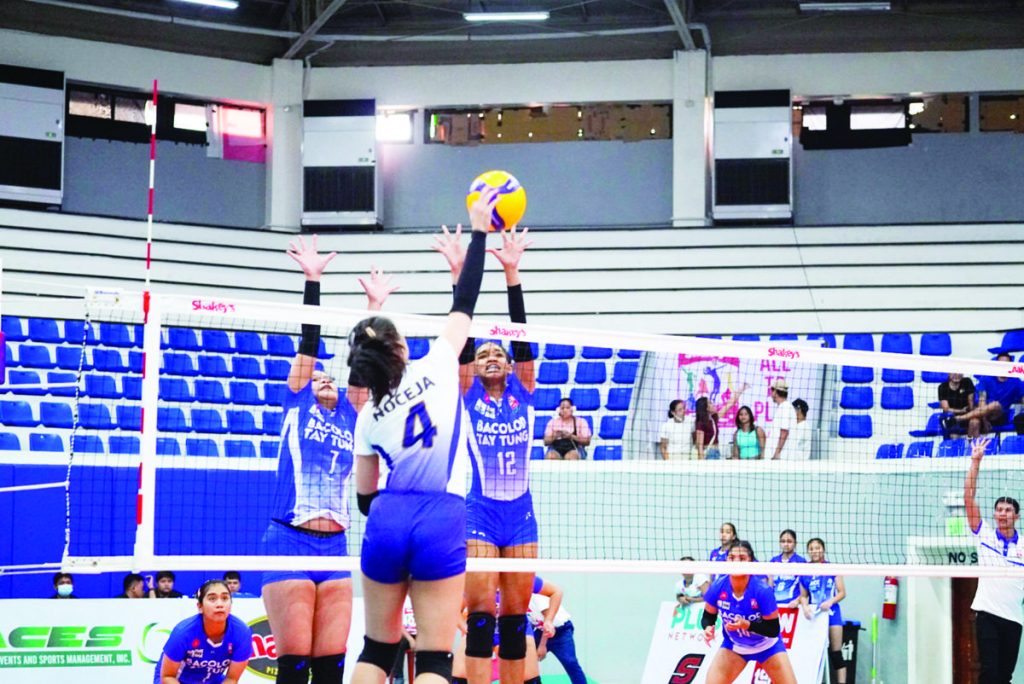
691 139
284 140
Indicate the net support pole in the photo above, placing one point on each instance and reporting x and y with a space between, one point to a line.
151 120
145 501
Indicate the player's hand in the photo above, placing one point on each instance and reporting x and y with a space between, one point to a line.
312 263
709 633
541 652
378 288
978 447
737 625
450 247
808 611
826 606
548 628
480 211
513 244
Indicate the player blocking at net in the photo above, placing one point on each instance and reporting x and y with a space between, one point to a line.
415 539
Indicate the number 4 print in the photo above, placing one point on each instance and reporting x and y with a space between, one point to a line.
427 431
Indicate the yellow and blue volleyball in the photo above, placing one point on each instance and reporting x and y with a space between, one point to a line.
511 204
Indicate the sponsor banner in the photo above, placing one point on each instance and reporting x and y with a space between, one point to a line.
680 655
108 641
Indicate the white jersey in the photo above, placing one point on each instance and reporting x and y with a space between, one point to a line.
420 428
996 595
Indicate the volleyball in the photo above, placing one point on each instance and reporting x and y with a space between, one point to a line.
511 204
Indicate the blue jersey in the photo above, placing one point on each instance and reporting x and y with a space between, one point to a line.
315 459
819 588
758 600
719 554
420 428
499 441
787 587
202 661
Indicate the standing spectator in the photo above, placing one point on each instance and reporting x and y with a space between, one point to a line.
996 394
690 589
164 586
234 582
787 587
675 439
63 586
134 586
998 621
748 442
553 629
778 446
705 430
800 439
566 435
956 397
726 535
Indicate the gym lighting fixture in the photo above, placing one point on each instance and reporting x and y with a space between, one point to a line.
505 16
222 4
845 6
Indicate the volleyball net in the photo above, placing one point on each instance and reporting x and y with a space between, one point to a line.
172 450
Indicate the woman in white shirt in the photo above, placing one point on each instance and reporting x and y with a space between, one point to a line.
675 439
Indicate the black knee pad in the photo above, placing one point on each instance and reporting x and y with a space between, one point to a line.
512 637
836 660
379 653
292 669
434 662
480 635
328 669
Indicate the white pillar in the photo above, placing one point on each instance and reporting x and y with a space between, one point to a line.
691 139
284 139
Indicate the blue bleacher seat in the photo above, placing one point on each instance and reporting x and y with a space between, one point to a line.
274 393
890 451
607 452
536 453
935 344
208 420
13 328
540 424
553 373
1013 341
783 338
828 340
746 338
898 398
859 342
630 353
854 426
88 444
183 339
77 332
591 373
135 361
101 387
116 335
619 398
59 377
129 417
1012 444
244 392
612 427
131 387
324 353
920 449
178 363
857 398
17 413
216 341
45 442
249 343
35 356
210 391
280 345
277 369
56 414
418 347
168 446
932 429
171 419
175 389
44 330
9 358
624 372
897 343
213 366
108 361
559 352
546 398
124 444
70 358
951 448
9 442
272 422
247 367
858 374
585 398
269 448
597 353
242 423
239 448
18 377
196 446
95 417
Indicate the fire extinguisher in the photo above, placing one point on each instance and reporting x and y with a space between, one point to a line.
891 593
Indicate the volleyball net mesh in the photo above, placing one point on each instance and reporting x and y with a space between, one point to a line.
172 452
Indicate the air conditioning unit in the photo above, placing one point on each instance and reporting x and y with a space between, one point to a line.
339 163
31 135
753 171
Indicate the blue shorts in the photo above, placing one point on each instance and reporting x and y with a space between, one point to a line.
502 523
417 535
284 540
835 616
760 656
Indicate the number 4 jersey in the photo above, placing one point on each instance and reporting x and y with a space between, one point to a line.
420 428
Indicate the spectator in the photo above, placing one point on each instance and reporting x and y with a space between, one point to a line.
996 394
566 435
956 397
705 430
800 440
778 444
63 586
675 439
134 586
690 589
748 442
164 586
553 629
233 580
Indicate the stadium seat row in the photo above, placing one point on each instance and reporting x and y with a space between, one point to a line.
949 448
131 445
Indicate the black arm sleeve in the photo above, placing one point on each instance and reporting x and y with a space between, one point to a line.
468 352
709 619
521 351
468 288
310 343
766 628
364 501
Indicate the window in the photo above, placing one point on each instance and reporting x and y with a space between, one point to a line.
394 127
1001 113
190 117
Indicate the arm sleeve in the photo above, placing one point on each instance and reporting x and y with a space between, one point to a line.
468 288
309 345
766 628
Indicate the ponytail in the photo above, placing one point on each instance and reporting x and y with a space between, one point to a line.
377 356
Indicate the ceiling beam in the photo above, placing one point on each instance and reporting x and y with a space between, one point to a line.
314 28
678 15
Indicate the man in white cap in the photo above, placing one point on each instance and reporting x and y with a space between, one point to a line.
783 422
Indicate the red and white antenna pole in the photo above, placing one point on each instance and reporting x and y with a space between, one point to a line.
151 119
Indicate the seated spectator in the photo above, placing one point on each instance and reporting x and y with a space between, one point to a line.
63 586
800 449
690 589
134 586
566 435
705 429
234 581
956 397
995 397
675 439
748 442
164 586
